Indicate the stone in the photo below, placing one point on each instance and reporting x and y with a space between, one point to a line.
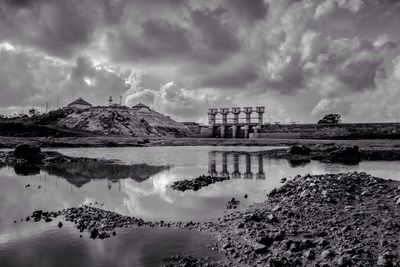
326 254
260 248
30 153
309 254
60 224
94 233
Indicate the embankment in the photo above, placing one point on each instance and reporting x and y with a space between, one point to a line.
331 131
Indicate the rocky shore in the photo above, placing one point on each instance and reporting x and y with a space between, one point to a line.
27 154
348 219
197 183
329 153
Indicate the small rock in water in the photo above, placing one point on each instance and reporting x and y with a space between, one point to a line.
28 185
232 204
94 233
246 196
60 224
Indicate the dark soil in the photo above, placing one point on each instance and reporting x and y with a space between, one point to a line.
348 219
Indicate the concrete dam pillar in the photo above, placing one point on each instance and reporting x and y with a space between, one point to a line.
222 131
246 131
234 131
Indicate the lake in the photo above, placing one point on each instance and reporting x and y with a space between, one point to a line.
141 190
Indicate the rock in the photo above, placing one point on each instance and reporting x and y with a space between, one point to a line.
226 246
309 254
60 224
30 153
343 260
346 155
266 240
232 204
299 150
326 254
260 248
398 201
382 261
94 233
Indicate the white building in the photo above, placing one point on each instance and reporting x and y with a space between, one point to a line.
80 104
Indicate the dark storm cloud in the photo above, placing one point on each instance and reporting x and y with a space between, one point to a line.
252 10
217 40
205 39
329 49
57 27
158 39
20 3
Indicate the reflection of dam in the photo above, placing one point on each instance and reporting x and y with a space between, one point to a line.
236 165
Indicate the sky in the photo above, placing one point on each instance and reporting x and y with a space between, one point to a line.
300 59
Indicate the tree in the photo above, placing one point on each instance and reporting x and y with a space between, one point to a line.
331 119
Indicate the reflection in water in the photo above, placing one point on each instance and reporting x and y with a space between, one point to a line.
26 169
235 157
298 162
80 173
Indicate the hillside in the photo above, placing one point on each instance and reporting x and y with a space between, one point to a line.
114 121
96 121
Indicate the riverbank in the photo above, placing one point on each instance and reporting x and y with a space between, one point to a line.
122 141
347 219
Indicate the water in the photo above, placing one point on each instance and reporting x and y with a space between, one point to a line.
141 190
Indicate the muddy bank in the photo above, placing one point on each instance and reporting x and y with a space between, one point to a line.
299 154
123 141
32 155
348 219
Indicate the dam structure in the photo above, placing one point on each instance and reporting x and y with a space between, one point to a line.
228 122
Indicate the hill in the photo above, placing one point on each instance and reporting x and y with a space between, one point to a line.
96 121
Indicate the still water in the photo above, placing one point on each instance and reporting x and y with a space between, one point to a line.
138 186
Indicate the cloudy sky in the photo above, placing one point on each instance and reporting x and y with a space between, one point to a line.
299 58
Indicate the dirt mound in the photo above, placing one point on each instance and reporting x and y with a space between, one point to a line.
112 121
349 219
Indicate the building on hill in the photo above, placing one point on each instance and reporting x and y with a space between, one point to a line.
80 104
141 108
